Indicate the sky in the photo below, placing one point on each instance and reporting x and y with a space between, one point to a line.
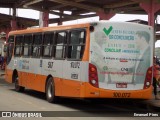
35 15
118 17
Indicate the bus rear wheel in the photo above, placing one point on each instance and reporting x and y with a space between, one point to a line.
50 91
18 88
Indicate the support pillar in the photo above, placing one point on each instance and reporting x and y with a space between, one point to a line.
13 24
60 22
13 21
44 19
151 8
105 16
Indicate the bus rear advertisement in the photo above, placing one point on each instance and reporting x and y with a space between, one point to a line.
91 60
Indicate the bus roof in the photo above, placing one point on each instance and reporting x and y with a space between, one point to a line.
64 27
45 29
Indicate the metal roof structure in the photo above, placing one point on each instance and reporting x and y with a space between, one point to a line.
5 21
76 9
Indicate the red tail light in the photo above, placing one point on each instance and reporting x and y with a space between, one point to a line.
93 77
148 79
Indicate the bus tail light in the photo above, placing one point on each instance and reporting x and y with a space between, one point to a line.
93 76
148 79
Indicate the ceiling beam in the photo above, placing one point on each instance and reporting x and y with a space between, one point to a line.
58 13
126 9
32 2
66 18
56 7
6 5
55 20
20 3
140 1
63 5
7 18
120 4
4 16
79 5
29 22
139 12
72 17
79 0
78 12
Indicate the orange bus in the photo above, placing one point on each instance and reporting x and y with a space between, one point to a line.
91 60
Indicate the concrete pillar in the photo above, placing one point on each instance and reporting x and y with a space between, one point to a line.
13 21
105 16
44 19
13 24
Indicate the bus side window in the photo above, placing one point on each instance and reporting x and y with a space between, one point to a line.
18 46
27 45
76 44
60 45
37 45
48 44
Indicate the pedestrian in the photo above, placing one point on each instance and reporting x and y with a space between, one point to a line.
156 77
1 59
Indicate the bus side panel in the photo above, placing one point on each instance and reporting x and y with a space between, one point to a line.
20 76
73 79
32 81
35 82
8 75
58 86
24 78
71 88
43 83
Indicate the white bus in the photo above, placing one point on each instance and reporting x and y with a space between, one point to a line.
92 60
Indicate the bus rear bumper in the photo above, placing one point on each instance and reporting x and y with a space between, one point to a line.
92 92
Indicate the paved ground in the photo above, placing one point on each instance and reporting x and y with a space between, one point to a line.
30 101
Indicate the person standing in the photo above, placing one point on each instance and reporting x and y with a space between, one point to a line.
1 60
156 77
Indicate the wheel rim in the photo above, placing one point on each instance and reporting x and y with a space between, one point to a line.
50 90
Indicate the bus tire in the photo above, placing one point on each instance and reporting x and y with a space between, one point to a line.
18 88
50 91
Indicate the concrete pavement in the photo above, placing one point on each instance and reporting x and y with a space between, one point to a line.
154 104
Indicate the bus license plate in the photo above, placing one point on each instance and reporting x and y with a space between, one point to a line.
121 95
121 85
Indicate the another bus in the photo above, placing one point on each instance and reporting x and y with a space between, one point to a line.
92 60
